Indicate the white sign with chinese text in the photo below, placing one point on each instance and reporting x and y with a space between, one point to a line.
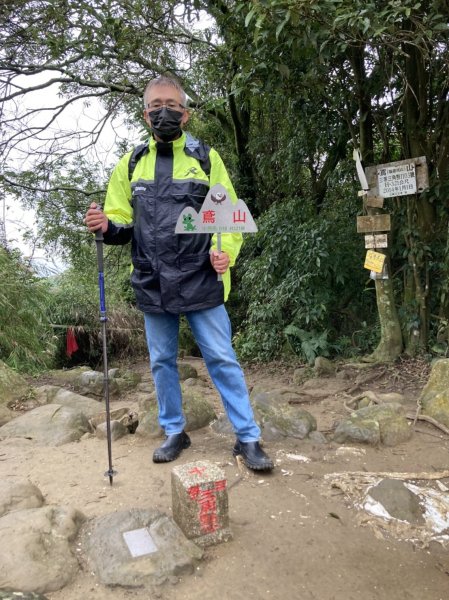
376 241
399 180
218 214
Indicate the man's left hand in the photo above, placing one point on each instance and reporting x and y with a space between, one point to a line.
220 261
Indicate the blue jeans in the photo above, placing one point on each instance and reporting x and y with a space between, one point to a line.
212 331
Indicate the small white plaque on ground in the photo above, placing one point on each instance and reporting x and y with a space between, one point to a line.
139 542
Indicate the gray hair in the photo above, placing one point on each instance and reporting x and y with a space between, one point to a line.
162 80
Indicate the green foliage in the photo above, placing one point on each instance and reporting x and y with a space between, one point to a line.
298 278
26 341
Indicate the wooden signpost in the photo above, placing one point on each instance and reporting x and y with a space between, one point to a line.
376 241
390 180
371 223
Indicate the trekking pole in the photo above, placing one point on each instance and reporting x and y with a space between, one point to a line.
103 318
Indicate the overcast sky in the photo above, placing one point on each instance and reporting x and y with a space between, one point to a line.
76 117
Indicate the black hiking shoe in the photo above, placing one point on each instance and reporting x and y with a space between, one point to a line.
253 456
172 447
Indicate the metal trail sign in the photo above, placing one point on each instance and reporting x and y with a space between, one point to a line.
218 215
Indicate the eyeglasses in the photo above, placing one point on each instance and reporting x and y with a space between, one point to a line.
171 104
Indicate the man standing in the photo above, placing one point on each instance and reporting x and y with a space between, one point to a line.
177 274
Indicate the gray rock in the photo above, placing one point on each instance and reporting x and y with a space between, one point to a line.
187 371
395 430
118 430
380 412
280 420
91 383
301 375
365 431
18 495
68 376
146 402
149 424
399 501
261 397
13 386
194 381
49 425
222 426
324 367
384 423
438 381
39 556
437 407
108 555
317 437
198 412
145 387
288 421
87 406
44 394
6 415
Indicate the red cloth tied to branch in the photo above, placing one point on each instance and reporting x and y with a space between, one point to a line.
71 345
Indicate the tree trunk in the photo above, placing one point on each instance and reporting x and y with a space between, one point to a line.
390 345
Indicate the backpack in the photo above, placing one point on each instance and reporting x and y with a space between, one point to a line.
193 147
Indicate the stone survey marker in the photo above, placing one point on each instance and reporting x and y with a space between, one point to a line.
200 502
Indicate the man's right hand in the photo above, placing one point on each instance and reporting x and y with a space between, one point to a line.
96 219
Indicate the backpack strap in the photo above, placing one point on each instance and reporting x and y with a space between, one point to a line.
193 147
198 150
138 152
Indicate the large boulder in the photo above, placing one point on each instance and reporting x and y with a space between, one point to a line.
434 397
18 495
399 502
107 546
382 423
39 557
186 371
324 367
438 382
197 409
49 425
6 415
276 417
87 406
13 386
90 383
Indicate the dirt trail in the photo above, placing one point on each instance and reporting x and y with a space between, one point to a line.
294 536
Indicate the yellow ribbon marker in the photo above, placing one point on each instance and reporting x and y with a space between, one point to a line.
374 261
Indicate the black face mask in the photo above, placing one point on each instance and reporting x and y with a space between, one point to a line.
166 123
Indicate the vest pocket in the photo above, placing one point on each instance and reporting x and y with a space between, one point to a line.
193 262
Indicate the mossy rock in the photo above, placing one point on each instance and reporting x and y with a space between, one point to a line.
379 412
438 381
187 371
13 386
437 407
395 431
365 431
198 412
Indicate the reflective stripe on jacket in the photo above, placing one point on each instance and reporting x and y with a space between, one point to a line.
172 272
